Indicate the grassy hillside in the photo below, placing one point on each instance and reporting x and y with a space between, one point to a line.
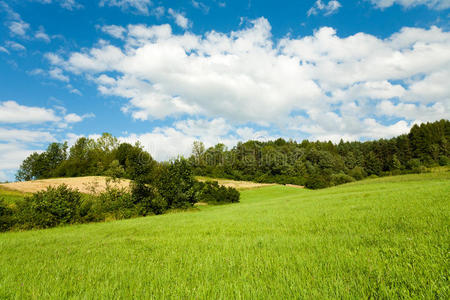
386 237
11 195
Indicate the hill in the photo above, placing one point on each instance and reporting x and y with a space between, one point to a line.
381 238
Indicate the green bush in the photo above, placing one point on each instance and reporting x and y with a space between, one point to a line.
147 199
6 216
116 203
341 178
49 208
213 193
317 181
444 160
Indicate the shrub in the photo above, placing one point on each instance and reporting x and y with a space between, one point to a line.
341 178
49 208
6 216
213 193
317 181
147 199
444 160
115 202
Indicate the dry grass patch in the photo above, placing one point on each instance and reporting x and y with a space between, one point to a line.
87 185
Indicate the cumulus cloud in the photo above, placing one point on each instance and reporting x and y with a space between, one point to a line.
11 112
21 135
74 118
433 4
327 9
26 129
11 156
138 6
165 143
320 85
180 19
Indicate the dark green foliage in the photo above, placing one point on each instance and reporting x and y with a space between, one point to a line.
213 193
317 181
323 164
314 164
341 178
148 199
6 216
49 208
176 183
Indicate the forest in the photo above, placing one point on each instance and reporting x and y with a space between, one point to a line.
323 164
312 164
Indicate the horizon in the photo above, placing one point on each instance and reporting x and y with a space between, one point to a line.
171 73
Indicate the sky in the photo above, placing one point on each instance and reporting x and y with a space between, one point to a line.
168 73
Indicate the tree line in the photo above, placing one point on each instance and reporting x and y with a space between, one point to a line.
324 164
155 187
313 164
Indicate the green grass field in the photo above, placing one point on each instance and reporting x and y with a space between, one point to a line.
383 238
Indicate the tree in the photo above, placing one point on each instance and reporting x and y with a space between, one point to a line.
198 149
29 168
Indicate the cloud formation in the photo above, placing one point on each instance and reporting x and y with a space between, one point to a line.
326 9
432 4
138 6
246 78
179 19
27 129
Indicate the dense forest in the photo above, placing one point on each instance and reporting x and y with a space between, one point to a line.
313 164
323 164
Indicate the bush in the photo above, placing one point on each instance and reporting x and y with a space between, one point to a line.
444 160
6 216
317 181
147 199
358 173
213 193
49 208
115 202
341 178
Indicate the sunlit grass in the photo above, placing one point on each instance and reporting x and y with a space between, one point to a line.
382 238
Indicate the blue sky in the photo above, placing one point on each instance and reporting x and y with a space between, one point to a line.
166 73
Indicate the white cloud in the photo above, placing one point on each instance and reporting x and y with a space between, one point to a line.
415 112
169 142
12 155
67 4
200 5
29 136
433 4
327 9
57 74
114 31
19 28
41 35
11 112
74 118
3 49
245 77
139 6
180 20
15 46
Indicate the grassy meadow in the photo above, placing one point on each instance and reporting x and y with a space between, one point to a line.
381 238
